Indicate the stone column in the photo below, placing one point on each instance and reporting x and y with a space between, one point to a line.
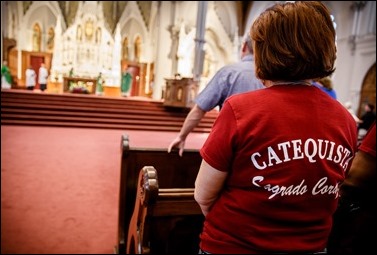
199 39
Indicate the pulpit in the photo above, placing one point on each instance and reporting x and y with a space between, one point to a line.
180 92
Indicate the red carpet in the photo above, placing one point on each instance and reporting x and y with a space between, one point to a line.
60 187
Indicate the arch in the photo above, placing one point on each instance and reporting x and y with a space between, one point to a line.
134 29
32 16
368 89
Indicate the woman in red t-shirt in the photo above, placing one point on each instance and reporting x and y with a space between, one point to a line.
273 162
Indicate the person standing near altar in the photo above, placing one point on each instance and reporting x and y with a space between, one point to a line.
126 83
30 78
42 77
6 77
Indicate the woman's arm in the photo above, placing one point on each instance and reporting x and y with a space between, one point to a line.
208 185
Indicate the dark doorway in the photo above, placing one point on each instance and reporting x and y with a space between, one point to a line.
35 62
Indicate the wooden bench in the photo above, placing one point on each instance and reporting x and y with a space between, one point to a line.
174 172
165 221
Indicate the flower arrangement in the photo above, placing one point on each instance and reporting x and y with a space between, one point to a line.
78 87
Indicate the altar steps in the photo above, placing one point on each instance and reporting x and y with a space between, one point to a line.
90 111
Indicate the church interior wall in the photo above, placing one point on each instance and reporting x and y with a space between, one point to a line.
367 24
133 29
355 54
343 17
33 16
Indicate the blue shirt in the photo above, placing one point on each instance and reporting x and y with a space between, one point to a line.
229 80
329 92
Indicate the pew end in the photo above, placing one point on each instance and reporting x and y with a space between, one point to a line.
165 221
176 175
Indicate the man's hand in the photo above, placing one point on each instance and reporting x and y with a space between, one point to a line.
177 143
192 120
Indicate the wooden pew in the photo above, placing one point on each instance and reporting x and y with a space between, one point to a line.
165 221
173 172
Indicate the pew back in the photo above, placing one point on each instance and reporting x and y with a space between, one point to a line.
174 172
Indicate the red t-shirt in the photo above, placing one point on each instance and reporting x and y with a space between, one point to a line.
368 145
286 149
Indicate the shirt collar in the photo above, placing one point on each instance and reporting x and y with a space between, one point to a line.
248 57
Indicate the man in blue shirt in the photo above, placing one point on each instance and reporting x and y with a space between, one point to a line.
229 80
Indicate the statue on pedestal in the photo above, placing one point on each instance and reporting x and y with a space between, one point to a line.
99 86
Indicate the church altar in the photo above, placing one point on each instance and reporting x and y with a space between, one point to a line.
87 48
87 83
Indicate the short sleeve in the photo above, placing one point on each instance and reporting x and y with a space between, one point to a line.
218 149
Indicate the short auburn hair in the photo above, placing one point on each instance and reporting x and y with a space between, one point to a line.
294 41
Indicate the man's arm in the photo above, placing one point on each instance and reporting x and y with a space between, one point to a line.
192 120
